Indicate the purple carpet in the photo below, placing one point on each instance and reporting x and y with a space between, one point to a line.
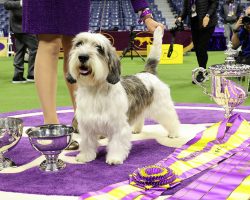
187 116
77 179
22 153
82 178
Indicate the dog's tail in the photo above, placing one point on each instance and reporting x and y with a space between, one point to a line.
155 52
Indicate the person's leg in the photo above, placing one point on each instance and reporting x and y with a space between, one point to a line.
19 56
201 39
232 26
227 32
195 33
202 45
67 44
46 75
194 38
31 43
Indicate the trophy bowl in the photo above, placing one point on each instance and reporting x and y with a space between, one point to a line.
229 82
50 140
11 130
228 88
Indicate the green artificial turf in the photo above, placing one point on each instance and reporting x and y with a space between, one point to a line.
15 97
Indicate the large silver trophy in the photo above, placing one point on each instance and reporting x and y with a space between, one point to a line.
50 140
11 130
229 82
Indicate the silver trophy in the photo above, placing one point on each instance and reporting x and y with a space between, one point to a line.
229 82
11 130
50 140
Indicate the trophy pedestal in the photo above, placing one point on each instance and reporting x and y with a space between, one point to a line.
6 162
53 165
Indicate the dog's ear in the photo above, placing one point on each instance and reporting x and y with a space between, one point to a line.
70 79
114 67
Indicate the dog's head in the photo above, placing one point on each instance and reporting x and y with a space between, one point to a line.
93 60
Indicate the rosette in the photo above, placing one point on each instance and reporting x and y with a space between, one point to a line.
153 176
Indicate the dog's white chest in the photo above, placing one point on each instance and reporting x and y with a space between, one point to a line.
101 108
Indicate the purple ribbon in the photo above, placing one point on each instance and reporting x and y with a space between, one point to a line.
219 182
223 135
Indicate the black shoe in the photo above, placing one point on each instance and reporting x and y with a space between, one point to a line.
30 79
19 79
200 78
74 145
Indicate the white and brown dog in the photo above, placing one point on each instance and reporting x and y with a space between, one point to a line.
110 105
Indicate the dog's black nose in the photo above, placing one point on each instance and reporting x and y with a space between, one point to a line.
83 58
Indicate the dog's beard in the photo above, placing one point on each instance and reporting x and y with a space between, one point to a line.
92 72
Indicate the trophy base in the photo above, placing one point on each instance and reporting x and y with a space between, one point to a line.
55 166
6 163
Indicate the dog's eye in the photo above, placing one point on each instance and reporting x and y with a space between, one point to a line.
100 49
79 44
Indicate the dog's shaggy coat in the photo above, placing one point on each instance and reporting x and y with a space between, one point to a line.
110 105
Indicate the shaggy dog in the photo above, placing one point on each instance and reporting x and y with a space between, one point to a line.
110 105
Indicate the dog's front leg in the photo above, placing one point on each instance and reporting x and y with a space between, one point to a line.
119 145
88 146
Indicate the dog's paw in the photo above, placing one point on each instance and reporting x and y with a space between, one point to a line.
136 132
114 161
173 135
85 157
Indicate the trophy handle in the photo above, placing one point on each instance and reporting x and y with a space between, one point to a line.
205 74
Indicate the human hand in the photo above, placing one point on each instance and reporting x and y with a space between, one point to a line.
238 24
179 19
152 24
205 21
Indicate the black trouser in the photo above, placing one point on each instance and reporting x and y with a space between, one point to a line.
23 42
201 39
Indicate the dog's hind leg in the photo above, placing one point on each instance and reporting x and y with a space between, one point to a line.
88 146
138 124
119 146
168 118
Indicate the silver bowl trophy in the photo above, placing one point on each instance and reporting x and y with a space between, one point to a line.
229 82
50 140
11 130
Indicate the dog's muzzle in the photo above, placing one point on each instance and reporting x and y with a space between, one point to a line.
83 69
83 58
